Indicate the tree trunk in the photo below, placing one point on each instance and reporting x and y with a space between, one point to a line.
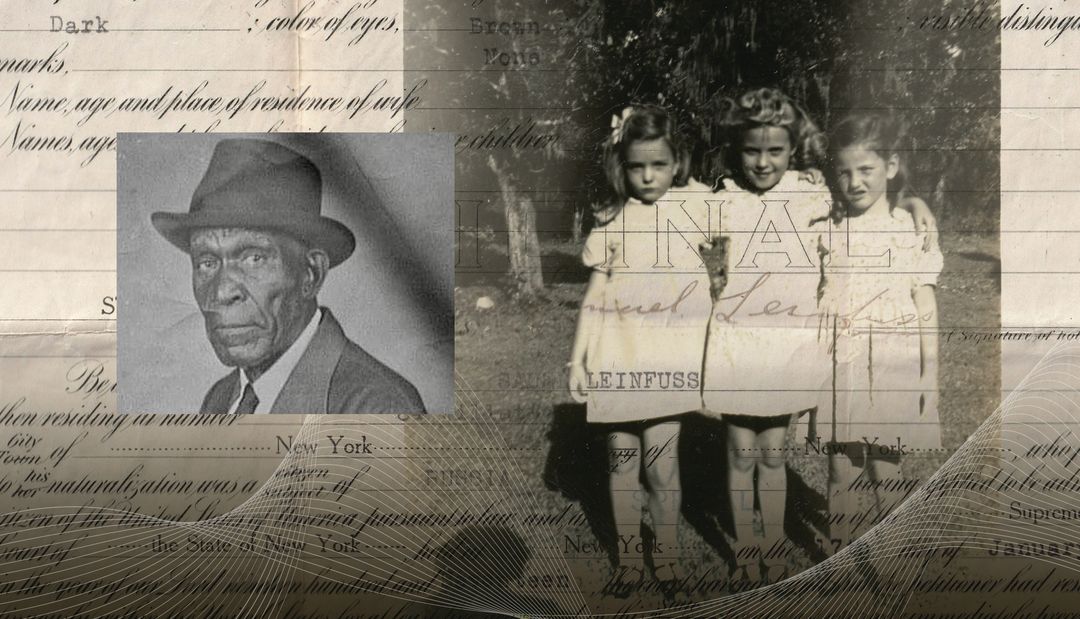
579 221
523 241
940 193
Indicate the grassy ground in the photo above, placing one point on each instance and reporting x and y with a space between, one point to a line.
512 357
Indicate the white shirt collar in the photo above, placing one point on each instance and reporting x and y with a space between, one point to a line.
272 381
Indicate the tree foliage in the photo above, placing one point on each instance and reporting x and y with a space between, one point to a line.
832 57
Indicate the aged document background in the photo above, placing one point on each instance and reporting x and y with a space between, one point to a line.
492 510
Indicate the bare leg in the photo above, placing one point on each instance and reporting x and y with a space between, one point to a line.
624 460
661 461
883 474
772 487
772 481
742 456
842 503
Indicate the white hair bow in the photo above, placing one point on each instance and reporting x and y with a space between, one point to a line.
617 121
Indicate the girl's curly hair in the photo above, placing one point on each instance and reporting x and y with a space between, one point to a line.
761 107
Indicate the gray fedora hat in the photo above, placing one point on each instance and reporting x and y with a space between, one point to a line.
260 185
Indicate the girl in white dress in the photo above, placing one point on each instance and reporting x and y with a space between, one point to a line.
763 360
763 363
640 338
879 309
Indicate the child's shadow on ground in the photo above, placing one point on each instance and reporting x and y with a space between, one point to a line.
577 468
805 515
706 502
702 466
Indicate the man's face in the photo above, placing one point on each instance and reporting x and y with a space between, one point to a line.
250 288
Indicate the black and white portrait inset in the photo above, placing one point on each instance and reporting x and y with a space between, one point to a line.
285 273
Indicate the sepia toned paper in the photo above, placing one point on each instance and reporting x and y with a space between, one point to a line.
502 508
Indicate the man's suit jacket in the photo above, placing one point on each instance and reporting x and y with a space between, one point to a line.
334 375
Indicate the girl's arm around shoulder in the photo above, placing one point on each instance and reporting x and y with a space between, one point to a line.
813 194
925 222
922 258
909 254
813 176
695 186
693 192
700 204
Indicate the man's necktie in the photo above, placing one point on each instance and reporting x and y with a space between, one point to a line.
248 402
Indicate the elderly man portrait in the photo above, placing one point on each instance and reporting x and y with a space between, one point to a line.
261 251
